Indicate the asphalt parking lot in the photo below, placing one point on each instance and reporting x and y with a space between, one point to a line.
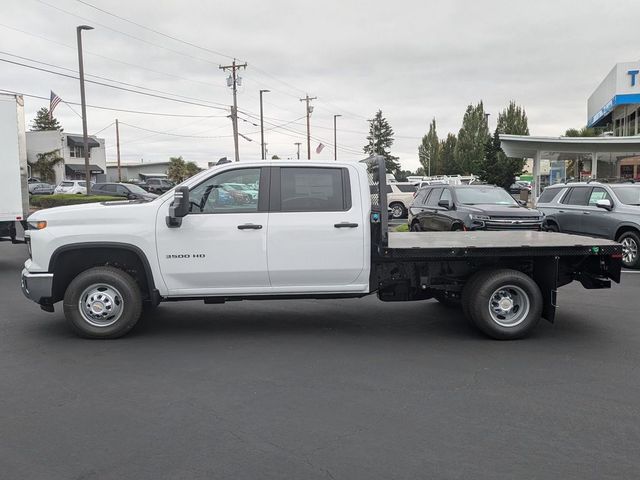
343 389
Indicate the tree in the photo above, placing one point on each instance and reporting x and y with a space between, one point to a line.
42 121
275 157
190 169
447 155
583 132
45 164
380 140
429 151
472 137
177 169
402 175
575 166
496 167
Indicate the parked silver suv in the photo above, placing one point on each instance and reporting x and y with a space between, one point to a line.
607 210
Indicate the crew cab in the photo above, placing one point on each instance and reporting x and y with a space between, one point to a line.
316 230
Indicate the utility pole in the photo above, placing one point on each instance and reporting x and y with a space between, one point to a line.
85 135
232 82
262 126
307 99
118 150
297 144
335 138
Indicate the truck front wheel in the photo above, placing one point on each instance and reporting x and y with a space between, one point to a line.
504 304
102 302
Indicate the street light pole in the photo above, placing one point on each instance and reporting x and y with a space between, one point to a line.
262 126
335 138
85 136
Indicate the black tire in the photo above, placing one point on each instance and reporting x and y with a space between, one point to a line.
552 227
457 227
521 294
398 210
630 249
114 291
415 227
448 300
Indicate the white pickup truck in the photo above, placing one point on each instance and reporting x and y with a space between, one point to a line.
314 230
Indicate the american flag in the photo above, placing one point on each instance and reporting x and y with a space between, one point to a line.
54 100
320 147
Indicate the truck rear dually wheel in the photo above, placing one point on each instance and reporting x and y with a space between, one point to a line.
102 302
504 304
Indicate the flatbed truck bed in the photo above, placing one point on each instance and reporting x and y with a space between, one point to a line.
504 243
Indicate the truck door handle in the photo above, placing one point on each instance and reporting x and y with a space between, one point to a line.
586 213
249 226
346 225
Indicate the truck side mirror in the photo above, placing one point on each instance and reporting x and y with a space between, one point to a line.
179 208
604 203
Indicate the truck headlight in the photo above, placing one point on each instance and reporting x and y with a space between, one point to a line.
37 225
474 216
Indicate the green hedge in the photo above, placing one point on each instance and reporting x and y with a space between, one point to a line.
61 199
402 228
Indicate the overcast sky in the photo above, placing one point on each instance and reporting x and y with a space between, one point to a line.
414 60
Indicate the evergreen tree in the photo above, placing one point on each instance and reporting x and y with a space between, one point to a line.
43 122
496 167
575 166
429 151
380 140
45 163
472 137
447 155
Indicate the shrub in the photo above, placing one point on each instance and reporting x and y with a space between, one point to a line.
402 228
61 199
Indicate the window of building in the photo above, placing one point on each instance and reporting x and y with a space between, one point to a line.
631 124
77 151
626 171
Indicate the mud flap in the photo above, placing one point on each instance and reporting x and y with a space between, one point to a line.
545 274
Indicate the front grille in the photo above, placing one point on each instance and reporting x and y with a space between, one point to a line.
513 223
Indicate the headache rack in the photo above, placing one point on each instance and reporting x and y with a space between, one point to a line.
377 173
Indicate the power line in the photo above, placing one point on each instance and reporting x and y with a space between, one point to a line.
178 52
173 134
111 86
156 31
100 107
106 78
73 47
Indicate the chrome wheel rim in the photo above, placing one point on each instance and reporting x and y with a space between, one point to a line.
629 250
509 306
101 305
396 211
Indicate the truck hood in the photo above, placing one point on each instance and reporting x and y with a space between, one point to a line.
86 212
502 210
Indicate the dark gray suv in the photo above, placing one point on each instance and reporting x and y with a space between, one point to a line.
596 209
469 207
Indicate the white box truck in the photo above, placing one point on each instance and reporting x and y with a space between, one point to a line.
14 193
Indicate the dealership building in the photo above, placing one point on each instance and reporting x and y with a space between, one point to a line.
614 110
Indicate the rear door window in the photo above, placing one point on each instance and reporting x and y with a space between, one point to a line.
434 197
406 188
577 196
314 189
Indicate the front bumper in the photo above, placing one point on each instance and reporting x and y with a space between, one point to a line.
36 286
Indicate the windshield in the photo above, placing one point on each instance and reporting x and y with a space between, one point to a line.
136 189
629 195
484 196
